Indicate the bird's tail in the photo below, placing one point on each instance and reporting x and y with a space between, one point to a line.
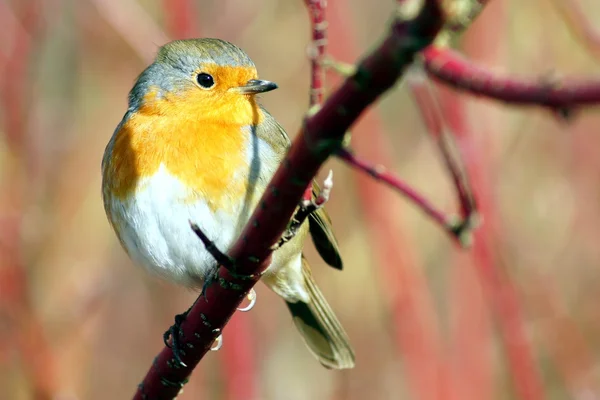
320 328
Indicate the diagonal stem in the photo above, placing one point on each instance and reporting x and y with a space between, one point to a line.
321 135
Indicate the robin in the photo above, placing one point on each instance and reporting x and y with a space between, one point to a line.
196 146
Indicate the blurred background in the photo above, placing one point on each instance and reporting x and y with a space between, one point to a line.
515 317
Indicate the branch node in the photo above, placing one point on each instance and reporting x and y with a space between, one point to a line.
462 229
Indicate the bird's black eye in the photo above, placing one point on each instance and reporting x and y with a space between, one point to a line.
205 80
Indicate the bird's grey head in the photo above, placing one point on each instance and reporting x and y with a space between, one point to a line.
179 66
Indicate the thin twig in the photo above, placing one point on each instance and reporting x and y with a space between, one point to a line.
562 95
380 173
134 25
499 289
180 17
317 48
26 330
406 294
429 107
316 52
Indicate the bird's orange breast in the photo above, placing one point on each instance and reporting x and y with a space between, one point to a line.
208 156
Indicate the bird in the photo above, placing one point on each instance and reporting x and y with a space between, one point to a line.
195 145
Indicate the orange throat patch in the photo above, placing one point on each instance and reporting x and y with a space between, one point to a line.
206 152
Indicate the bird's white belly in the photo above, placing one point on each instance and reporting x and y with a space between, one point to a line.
154 227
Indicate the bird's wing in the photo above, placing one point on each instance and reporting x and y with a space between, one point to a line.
322 235
319 222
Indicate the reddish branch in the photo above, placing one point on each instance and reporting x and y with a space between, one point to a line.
180 18
317 48
499 290
320 137
136 27
429 108
26 332
406 293
451 68
380 173
15 73
443 63
494 281
318 23
459 227
407 296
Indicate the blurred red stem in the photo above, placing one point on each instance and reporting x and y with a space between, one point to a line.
17 68
143 36
238 355
429 108
566 343
453 69
15 304
499 290
413 325
180 18
318 46
381 174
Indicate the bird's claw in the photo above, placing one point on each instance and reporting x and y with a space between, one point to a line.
212 276
174 333
251 296
218 343
307 207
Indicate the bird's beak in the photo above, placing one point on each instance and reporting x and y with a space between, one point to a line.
255 86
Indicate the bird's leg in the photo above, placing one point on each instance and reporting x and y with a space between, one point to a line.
251 296
304 210
174 333
224 260
212 276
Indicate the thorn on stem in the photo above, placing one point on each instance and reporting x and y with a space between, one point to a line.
565 114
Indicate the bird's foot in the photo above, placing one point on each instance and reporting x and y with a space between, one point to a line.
210 278
306 207
174 333
218 343
251 296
